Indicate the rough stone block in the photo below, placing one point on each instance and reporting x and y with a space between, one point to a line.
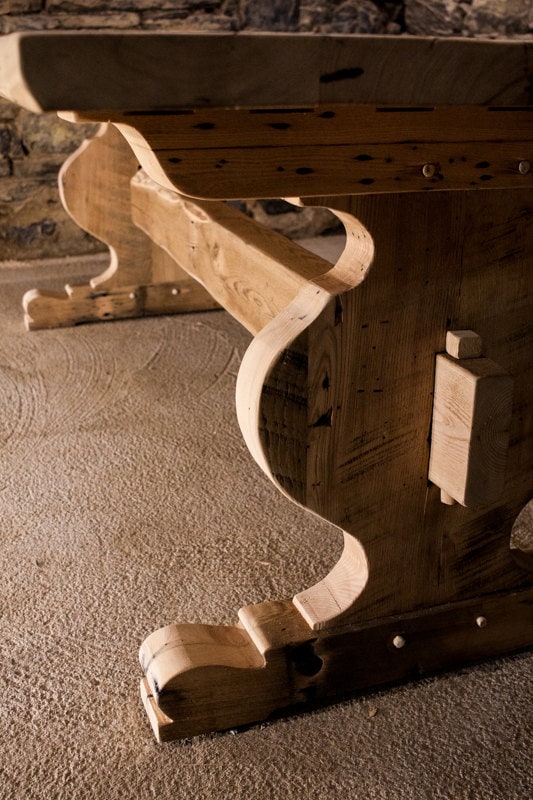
499 17
10 142
296 223
45 133
351 16
44 166
96 6
20 6
167 20
357 17
27 22
34 22
277 15
33 223
8 111
434 17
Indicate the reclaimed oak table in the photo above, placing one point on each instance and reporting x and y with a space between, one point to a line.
389 393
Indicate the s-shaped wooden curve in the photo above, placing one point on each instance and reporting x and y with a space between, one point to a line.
332 598
184 664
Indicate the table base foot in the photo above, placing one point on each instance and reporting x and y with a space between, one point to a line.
79 304
202 678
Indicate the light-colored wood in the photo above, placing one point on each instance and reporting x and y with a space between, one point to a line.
335 395
413 592
79 304
355 443
463 344
470 431
154 70
249 269
98 169
201 678
446 498
333 445
326 603
141 278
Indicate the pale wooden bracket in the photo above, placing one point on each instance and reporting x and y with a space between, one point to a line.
141 278
252 271
471 422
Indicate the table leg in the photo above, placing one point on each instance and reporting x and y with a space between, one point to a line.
335 402
141 279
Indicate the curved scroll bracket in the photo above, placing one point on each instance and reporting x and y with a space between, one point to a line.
331 600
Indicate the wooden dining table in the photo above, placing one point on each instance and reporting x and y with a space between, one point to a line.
389 393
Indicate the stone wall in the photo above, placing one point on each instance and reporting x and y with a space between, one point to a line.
32 221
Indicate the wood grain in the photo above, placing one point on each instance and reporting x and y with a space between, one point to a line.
141 278
326 123
249 269
335 395
463 344
360 458
144 70
201 678
470 429
307 170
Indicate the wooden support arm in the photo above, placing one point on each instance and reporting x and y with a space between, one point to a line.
250 270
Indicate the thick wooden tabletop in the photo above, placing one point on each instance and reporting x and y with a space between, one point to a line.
89 71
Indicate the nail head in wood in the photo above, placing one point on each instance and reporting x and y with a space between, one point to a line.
524 167
481 622
463 344
399 642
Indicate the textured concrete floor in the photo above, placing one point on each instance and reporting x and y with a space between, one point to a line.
119 514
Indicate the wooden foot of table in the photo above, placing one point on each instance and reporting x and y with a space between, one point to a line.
79 304
200 678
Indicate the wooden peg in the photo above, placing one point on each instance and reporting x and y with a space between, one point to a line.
463 344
